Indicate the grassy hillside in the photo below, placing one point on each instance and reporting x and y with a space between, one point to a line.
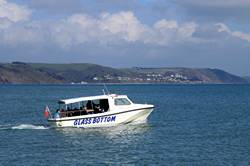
18 72
76 72
23 73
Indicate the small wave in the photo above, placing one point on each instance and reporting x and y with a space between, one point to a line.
29 126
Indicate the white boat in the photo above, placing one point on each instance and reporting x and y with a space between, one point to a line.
98 111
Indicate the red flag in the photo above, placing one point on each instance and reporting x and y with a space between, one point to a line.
46 112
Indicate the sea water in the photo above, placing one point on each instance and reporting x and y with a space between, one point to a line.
191 125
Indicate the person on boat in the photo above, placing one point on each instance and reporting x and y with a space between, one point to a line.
62 113
89 105
57 114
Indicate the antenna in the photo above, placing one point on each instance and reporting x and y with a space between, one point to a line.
106 89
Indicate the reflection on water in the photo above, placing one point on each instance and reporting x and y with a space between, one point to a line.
121 131
127 134
99 143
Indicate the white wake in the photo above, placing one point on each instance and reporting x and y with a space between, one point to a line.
29 126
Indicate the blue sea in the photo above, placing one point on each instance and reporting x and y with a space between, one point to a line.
191 125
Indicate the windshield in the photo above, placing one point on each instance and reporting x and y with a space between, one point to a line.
122 101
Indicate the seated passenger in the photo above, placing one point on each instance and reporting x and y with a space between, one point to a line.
57 115
89 105
96 110
62 113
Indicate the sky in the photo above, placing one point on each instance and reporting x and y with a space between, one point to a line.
128 33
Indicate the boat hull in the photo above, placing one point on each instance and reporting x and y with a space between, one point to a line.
103 119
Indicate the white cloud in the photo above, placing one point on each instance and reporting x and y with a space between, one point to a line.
241 35
122 26
186 30
81 28
13 12
29 34
83 20
238 34
165 24
75 30
169 31
222 27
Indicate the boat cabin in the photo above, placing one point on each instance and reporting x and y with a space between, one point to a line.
90 105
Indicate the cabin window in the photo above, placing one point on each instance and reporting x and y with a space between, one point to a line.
84 108
104 104
122 101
